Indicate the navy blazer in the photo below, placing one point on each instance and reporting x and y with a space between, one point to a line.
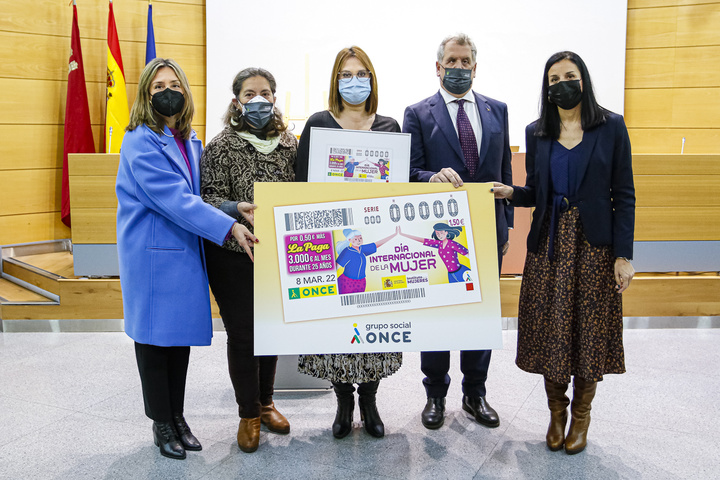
435 145
605 190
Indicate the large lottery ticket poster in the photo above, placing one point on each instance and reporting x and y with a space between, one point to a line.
375 268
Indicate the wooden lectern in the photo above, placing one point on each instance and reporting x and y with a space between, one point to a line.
93 207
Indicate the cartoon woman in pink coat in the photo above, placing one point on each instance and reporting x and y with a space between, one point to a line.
442 239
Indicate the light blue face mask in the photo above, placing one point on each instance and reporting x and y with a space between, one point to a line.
355 91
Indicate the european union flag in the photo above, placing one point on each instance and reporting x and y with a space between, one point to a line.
150 43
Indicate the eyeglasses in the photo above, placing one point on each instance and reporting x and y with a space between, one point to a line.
362 75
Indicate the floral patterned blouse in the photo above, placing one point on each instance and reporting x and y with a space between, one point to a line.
231 165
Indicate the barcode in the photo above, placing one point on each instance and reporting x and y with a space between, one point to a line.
337 217
393 296
340 151
352 179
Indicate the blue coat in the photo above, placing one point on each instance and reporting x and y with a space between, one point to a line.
435 145
160 219
605 192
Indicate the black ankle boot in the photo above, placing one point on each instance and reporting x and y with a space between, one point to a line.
342 425
189 441
166 438
368 409
371 417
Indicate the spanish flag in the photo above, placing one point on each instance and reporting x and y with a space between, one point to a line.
117 115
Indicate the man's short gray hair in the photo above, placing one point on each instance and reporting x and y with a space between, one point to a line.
460 39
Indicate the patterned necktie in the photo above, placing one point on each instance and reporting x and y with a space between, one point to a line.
468 142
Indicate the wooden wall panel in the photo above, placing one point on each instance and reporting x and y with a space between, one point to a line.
673 67
652 68
46 105
26 56
669 164
173 22
677 223
31 146
673 76
634 4
698 25
662 190
652 27
672 296
666 140
673 107
35 227
29 191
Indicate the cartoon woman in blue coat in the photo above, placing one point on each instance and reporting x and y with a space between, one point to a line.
351 256
350 167
442 239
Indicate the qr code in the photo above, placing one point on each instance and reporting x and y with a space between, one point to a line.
337 217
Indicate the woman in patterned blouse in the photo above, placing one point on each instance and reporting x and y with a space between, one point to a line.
254 146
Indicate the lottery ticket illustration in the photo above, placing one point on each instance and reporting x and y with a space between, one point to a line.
376 255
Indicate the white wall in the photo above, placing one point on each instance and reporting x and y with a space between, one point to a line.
514 39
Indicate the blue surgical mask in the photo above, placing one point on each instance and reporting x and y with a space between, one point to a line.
457 80
355 91
258 112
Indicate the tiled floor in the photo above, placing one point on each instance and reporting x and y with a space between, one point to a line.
71 407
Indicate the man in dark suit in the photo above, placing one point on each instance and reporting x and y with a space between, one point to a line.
460 136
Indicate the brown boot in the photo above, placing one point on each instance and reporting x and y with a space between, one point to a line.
583 394
558 403
248 436
274 420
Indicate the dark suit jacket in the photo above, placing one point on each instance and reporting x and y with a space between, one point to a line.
605 190
435 145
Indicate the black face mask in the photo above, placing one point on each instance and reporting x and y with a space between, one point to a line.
168 102
565 95
457 80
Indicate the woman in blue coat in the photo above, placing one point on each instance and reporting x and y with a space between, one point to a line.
160 222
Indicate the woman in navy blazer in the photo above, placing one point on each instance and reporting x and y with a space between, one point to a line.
580 181
160 219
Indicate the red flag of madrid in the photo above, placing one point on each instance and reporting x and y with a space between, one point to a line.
78 131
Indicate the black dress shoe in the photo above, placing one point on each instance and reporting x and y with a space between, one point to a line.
482 411
166 438
184 434
433 415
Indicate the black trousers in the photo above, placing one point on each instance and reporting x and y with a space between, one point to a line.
231 280
163 371
474 365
